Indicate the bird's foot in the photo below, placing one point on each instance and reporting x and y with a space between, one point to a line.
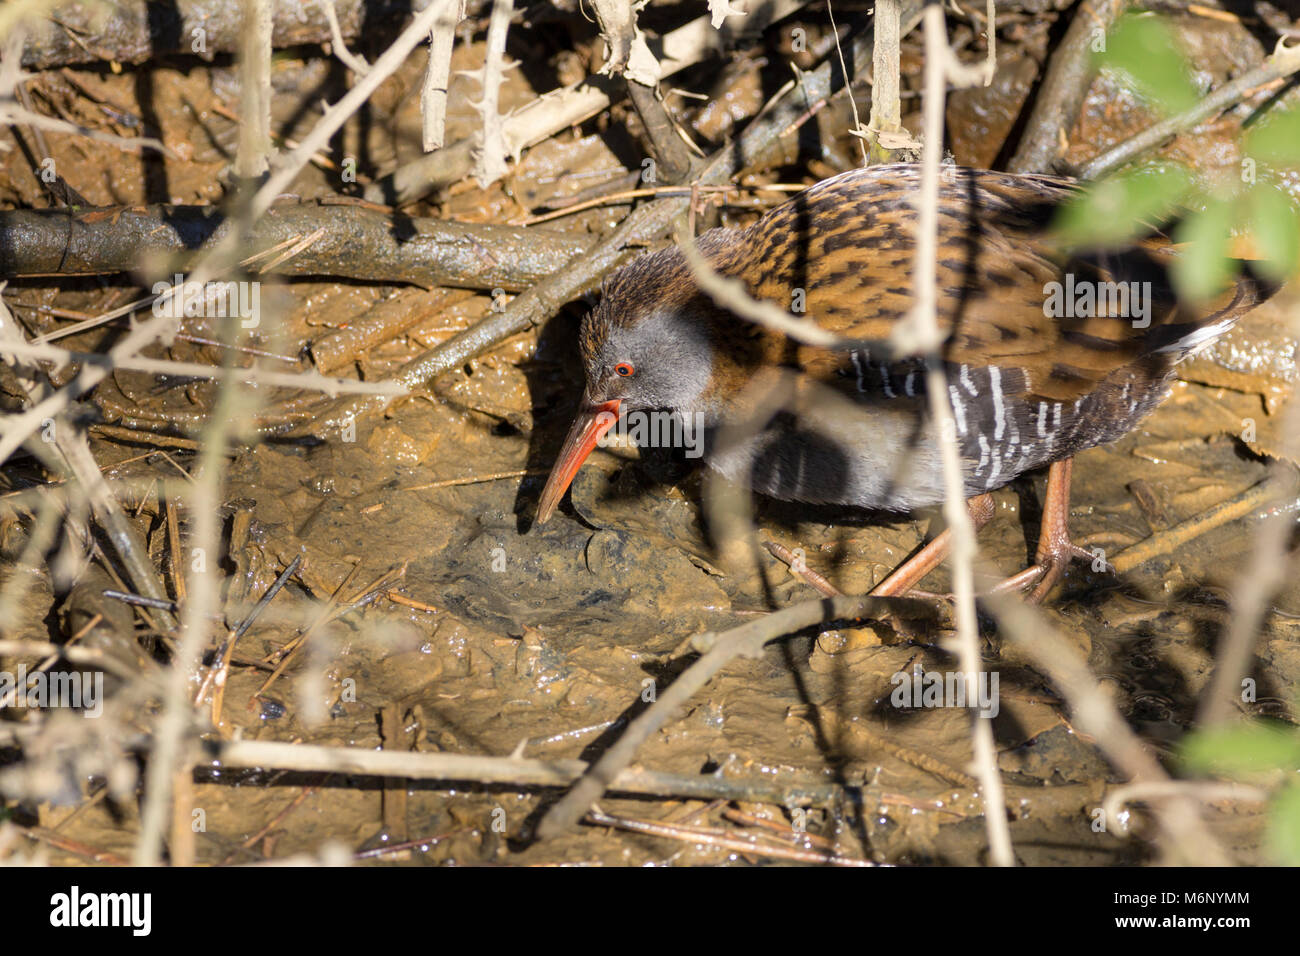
1050 564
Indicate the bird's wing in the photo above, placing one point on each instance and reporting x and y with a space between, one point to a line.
1007 295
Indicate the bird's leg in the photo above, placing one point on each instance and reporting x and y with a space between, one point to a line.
1055 549
909 574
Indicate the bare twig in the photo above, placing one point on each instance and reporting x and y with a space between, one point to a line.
513 771
1267 571
12 113
490 151
1278 484
1205 790
886 107
437 72
674 159
253 153
255 374
736 842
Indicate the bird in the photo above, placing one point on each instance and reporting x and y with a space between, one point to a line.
1047 350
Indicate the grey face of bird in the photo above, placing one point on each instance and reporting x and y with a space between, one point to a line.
660 361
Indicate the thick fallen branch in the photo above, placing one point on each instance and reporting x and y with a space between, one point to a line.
357 242
133 31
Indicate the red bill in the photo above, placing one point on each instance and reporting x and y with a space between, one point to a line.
592 422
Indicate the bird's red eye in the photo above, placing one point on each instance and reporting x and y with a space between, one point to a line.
624 368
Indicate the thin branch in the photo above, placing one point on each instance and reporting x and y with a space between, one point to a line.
13 113
673 157
437 73
1118 799
748 640
490 151
1267 571
1279 484
886 106
354 62
512 771
252 156
735 842
255 375
1284 62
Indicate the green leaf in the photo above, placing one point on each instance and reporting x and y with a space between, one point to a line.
1203 266
1242 748
1275 224
1275 140
1144 48
1114 210
1284 826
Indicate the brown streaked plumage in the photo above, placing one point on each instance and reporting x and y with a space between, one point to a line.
1029 386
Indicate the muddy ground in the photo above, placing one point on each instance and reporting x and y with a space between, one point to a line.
541 641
